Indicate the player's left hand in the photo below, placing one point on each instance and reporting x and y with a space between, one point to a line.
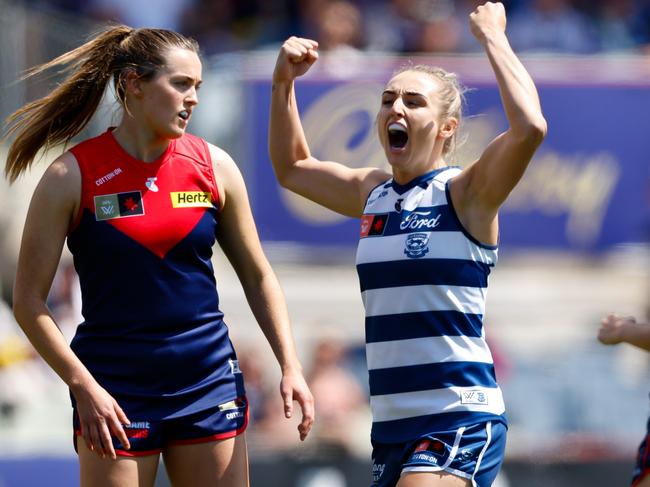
611 329
488 19
293 387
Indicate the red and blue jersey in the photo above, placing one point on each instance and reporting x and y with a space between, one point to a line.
153 334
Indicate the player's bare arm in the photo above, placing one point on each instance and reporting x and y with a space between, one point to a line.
328 183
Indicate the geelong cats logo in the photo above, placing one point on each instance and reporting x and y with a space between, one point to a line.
416 245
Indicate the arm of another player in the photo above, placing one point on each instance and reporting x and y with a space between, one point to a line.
330 184
616 329
53 206
239 240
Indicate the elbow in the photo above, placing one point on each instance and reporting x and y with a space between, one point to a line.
281 167
288 173
533 132
537 130
20 309
540 128
283 177
24 308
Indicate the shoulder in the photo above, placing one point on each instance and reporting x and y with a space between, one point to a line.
442 180
63 172
229 179
447 173
222 162
192 140
460 179
193 147
379 188
373 183
60 184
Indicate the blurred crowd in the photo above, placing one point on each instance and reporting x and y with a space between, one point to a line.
400 26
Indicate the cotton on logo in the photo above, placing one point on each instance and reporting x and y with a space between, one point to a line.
108 176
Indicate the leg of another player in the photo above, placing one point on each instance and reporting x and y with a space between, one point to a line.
223 463
432 479
645 482
123 472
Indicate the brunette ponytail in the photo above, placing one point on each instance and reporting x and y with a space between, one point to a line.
63 113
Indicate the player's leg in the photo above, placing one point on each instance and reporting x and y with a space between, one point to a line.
135 467
134 471
222 462
208 447
432 479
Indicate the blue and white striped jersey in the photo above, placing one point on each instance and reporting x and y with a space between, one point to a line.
423 283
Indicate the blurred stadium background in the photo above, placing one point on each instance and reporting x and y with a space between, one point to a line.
574 233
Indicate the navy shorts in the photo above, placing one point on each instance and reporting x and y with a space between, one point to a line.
150 437
642 467
472 452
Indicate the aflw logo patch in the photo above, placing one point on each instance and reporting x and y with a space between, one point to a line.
119 205
190 199
473 397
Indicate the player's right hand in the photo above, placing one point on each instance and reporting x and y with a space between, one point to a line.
100 417
295 58
293 387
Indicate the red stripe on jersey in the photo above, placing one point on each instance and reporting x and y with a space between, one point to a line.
138 198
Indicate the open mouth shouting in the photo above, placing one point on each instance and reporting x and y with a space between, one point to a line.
397 136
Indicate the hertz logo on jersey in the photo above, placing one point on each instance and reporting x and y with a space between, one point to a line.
191 199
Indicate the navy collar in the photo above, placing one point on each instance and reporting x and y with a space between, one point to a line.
422 181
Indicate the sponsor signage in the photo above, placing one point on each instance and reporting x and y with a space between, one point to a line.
587 188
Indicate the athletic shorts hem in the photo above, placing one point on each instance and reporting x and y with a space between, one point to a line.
144 453
150 438
219 436
433 469
119 452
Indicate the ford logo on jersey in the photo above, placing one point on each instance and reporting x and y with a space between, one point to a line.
416 245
